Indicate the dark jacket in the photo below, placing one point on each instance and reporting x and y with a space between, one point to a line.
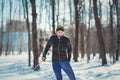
61 48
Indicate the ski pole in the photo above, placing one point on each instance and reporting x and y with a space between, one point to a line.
37 65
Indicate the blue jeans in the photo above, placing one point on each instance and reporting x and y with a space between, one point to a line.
57 66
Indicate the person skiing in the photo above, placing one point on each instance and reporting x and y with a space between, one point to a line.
61 49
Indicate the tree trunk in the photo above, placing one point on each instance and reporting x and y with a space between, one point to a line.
7 44
1 36
82 35
8 33
58 12
10 10
112 45
28 28
82 41
13 44
100 17
88 35
34 36
53 15
117 4
70 9
64 15
75 56
88 44
20 42
99 33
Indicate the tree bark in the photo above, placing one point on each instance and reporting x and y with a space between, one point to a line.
88 35
10 10
100 17
82 35
64 14
34 36
1 36
28 28
8 37
112 45
70 9
117 4
99 33
58 12
7 44
53 15
75 56
20 42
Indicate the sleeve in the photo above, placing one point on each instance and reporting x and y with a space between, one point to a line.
48 45
69 49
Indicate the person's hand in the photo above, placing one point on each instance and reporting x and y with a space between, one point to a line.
44 57
69 59
69 56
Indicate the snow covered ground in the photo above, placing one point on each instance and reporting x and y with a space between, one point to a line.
15 67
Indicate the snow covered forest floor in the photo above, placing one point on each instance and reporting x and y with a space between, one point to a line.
15 67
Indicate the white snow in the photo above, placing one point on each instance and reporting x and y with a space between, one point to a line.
15 67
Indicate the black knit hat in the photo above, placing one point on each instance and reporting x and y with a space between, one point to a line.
59 27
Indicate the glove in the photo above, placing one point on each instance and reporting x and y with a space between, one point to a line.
69 57
44 57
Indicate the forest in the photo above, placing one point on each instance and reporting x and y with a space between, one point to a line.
93 27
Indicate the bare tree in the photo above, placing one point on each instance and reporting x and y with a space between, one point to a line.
20 42
75 55
2 19
8 37
70 9
7 44
99 33
82 49
88 34
13 44
117 4
53 15
34 36
82 26
100 17
112 45
58 12
28 28
64 14
10 2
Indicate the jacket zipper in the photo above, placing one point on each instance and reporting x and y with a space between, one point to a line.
59 48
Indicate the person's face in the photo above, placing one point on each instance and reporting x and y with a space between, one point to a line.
60 33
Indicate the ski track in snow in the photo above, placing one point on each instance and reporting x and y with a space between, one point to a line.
16 68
